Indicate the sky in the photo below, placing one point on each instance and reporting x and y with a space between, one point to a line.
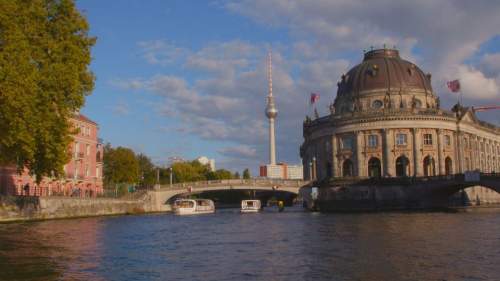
186 78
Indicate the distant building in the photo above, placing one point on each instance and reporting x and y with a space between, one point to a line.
206 161
83 173
281 171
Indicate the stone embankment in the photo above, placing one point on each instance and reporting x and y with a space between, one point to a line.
21 208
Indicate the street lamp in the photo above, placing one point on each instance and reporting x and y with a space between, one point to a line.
171 172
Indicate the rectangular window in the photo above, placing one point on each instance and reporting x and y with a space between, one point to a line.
428 139
88 149
347 143
401 139
77 149
447 140
87 171
372 140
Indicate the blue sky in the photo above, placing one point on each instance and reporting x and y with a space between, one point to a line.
187 78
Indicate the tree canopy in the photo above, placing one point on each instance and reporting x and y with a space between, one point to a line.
44 78
246 174
120 165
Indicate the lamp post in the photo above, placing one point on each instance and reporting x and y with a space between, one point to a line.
171 172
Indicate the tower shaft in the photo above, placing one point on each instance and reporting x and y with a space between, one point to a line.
271 113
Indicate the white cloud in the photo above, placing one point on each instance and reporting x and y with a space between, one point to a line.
161 52
239 151
224 97
446 33
475 85
121 108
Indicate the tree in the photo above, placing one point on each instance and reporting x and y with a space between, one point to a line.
236 175
246 174
44 78
147 170
120 165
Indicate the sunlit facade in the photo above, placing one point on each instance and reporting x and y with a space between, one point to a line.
386 121
83 173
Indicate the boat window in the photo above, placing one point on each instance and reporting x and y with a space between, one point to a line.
185 204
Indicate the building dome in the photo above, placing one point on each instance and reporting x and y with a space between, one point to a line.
383 75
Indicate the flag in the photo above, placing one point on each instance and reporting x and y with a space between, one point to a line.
314 98
454 85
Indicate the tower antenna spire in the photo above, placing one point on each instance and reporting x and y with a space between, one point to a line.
270 72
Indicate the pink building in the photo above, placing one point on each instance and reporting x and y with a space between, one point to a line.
83 173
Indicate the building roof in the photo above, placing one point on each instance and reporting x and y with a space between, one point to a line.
83 118
383 70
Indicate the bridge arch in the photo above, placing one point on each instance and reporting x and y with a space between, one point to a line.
161 196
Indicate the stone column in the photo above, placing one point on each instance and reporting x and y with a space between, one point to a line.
417 156
388 156
442 170
335 171
480 146
359 155
458 137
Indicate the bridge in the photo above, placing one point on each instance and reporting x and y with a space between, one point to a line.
433 190
164 193
404 192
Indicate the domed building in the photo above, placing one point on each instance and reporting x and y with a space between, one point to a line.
386 121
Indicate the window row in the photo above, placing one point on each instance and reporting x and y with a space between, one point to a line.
401 139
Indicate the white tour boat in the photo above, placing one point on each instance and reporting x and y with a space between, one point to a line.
193 206
250 206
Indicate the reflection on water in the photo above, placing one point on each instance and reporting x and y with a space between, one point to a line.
293 245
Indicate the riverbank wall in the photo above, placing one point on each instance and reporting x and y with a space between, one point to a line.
395 197
22 208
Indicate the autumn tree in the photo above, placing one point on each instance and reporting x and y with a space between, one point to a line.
44 78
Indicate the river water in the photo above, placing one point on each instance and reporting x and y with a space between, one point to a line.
293 245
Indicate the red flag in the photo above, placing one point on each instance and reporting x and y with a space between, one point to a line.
314 98
454 85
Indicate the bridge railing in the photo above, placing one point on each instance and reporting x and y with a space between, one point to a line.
392 180
237 182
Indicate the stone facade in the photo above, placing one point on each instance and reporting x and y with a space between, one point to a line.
386 121
83 173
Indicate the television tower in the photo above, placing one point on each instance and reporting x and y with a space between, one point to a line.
271 112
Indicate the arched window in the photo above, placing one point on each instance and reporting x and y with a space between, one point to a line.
429 166
374 170
347 168
448 165
402 165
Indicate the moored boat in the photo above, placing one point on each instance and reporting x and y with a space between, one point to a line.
250 206
193 206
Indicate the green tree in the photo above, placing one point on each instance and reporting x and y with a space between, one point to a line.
246 174
120 165
44 78
189 171
147 170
